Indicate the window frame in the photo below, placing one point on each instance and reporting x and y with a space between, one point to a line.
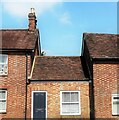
6 63
3 111
115 95
79 104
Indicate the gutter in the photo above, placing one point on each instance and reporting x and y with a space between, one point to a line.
87 60
6 49
34 81
17 50
89 67
106 59
25 117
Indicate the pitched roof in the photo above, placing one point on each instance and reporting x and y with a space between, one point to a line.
102 45
57 68
18 39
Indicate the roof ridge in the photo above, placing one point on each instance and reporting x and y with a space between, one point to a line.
13 29
99 33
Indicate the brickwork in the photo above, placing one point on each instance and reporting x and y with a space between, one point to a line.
105 84
53 100
15 83
29 65
32 21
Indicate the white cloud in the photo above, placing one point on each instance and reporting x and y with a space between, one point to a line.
65 18
19 8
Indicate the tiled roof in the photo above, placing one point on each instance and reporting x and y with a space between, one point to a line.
102 45
57 68
18 39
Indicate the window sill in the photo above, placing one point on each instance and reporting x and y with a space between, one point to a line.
71 114
5 75
116 115
3 112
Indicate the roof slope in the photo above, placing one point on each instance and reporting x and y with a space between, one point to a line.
102 45
18 39
57 68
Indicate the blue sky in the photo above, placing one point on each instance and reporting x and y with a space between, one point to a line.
61 24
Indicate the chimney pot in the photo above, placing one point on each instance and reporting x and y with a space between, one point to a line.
32 10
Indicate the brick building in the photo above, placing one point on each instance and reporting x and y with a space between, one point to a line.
101 53
35 86
17 50
63 83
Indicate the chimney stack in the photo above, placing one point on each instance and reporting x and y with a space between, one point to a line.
32 20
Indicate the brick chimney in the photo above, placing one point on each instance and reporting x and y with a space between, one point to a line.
32 20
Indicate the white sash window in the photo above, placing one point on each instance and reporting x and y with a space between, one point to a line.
3 100
70 103
115 104
3 64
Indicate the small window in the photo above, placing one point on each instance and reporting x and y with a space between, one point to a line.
3 100
115 104
70 103
3 64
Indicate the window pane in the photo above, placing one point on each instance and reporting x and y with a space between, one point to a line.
65 97
2 94
3 59
74 97
2 105
74 108
66 108
3 69
70 108
116 107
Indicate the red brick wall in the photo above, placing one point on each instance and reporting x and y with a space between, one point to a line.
29 64
53 100
15 83
105 84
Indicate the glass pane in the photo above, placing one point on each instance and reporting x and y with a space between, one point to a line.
65 108
2 94
116 107
70 108
74 108
2 105
1 67
74 97
3 59
65 97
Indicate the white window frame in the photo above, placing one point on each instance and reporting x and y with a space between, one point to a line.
113 100
5 64
69 102
2 111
